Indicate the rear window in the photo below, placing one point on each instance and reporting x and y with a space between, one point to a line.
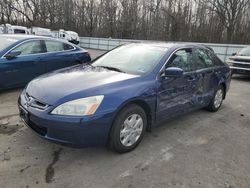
67 46
55 46
19 31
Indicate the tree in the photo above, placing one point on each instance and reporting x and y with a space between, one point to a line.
230 13
226 21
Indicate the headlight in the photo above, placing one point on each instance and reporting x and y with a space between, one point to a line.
79 107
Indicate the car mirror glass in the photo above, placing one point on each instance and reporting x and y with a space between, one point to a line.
173 72
12 54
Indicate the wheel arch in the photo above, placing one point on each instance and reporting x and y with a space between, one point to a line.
143 104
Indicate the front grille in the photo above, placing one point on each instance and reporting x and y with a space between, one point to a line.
241 65
242 60
32 102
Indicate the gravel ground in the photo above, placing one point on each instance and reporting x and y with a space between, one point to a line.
200 149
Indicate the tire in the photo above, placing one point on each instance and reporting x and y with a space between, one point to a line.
217 100
124 138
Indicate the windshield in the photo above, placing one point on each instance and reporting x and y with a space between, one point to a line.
132 59
244 52
6 41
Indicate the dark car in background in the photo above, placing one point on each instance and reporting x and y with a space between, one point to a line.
113 100
240 62
24 57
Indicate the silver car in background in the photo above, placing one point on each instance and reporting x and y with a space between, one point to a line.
240 62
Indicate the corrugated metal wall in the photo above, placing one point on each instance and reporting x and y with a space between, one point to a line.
222 50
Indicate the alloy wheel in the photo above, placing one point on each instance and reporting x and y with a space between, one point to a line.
131 130
218 98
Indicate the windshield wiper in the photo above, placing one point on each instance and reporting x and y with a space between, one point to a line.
112 68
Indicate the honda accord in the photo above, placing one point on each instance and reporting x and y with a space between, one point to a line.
117 97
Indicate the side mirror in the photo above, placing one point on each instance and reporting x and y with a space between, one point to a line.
12 54
234 54
173 72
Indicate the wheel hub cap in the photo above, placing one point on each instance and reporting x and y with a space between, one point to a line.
131 130
218 98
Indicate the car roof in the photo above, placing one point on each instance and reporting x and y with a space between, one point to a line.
169 45
23 37
153 44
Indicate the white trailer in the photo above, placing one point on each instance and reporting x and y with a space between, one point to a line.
41 31
13 29
70 36
16 29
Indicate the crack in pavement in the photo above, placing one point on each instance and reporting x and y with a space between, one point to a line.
23 169
8 116
50 171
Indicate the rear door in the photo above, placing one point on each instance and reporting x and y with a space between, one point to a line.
206 69
59 55
22 69
177 95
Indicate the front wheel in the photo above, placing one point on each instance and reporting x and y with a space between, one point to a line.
217 100
128 129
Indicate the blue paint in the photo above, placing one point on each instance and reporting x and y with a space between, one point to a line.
18 71
161 96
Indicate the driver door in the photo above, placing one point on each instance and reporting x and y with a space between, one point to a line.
176 95
18 71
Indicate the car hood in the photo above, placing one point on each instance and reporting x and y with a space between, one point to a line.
51 87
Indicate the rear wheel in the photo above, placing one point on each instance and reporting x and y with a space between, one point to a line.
217 100
128 129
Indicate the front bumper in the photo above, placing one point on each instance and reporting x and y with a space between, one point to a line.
72 131
240 70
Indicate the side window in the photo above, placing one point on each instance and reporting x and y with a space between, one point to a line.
54 46
31 47
182 59
67 46
19 31
203 59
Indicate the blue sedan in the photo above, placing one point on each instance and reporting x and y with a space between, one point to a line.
24 57
125 92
